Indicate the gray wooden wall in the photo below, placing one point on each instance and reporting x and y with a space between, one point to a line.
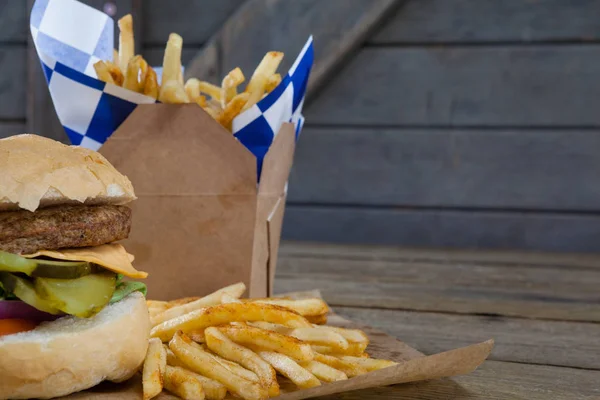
467 123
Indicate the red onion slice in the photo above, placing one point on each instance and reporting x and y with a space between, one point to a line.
17 309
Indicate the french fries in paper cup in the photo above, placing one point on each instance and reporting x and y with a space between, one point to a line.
94 87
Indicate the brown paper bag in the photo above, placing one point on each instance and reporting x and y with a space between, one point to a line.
201 222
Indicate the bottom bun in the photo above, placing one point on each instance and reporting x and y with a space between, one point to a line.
72 354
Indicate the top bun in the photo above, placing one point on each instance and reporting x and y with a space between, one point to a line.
39 172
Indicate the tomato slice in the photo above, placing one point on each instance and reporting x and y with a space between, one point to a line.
15 325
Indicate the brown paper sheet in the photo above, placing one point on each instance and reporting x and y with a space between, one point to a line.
413 366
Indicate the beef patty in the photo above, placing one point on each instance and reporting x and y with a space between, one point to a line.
25 232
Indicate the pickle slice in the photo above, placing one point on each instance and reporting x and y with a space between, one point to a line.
14 263
82 297
63 269
26 292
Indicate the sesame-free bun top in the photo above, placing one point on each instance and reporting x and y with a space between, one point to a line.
38 172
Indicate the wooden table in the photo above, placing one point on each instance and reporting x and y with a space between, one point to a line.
543 310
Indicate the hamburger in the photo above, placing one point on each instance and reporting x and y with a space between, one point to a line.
69 316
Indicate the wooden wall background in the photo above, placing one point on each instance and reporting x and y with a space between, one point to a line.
461 123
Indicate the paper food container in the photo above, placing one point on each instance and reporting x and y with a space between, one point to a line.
210 203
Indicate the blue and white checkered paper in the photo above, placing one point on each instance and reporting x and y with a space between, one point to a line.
70 37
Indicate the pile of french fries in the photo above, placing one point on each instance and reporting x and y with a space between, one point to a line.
252 348
223 102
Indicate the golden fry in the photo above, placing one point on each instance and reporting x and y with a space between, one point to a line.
304 307
266 68
371 364
232 110
102 72
272 82
126 42
351 369
229 86
220 344
179 302
211 90
183 383
317 319
324 372
172 90
154 369
151 87
200 361
225 314
290 369
321 337
135 77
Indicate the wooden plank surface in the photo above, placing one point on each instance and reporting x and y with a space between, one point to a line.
14 20
521 169
557 291
338 26
194 20
11 128
422 227
12 81
466 86
560 343
442 21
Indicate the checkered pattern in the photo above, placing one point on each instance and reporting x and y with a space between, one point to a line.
70 37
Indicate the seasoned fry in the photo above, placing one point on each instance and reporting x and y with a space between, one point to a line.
354 349
371 364
135 77
212 389
154 369
126 42
226 348
290 369
236 290
266 68
318 319
229 86
351 369
227 298
321 337
202 362
272 82
351 335
269 340
227 313
284 330
324 372
232 110
305 307
151 87
183 383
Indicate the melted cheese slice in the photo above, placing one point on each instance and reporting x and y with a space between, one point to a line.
110 256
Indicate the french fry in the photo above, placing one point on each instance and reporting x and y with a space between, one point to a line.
266 68
102 72
203 363
154 369
371 364
227 298
232 110
220 344
172 90
151 87
115 58
351 369
135 77
229 86
284 330
212 389
272 82
183 383
304 307
225 314
354 349
157 303
211 111
116 73
236 290
268 340
211 90
290 369
351 335
126 42
192 88
318 319
324 372
321 337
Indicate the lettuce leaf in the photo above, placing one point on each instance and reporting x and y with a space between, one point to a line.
125 288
